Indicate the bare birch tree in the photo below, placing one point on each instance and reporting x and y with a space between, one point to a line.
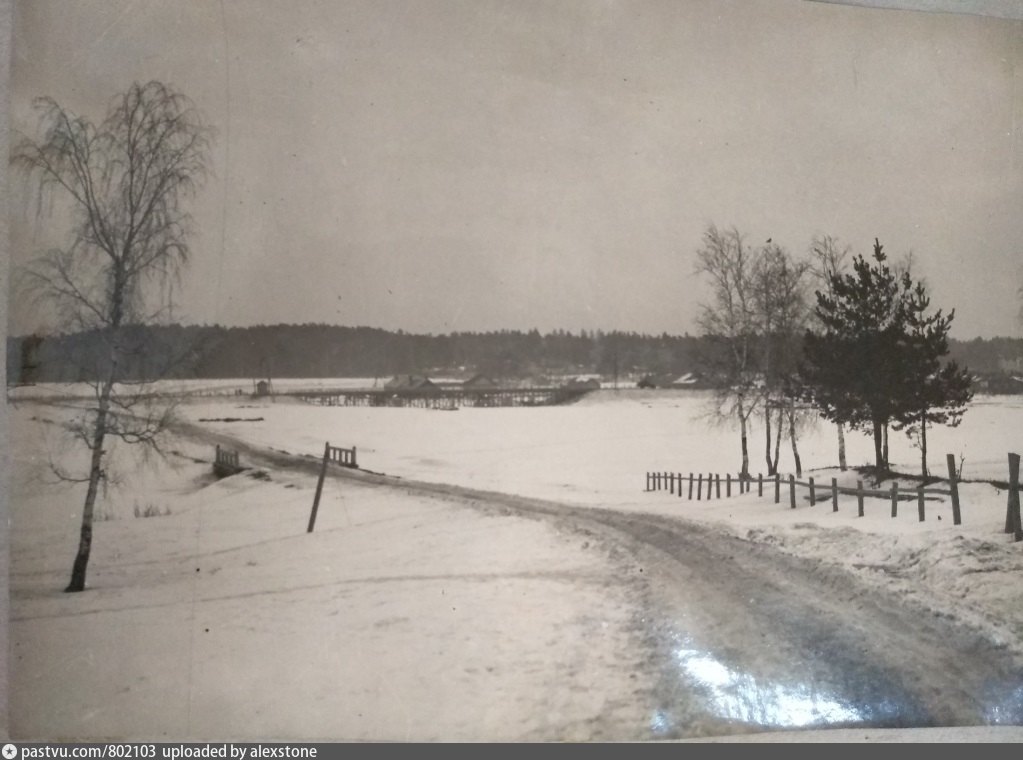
781 313
729 321
124 182
829 261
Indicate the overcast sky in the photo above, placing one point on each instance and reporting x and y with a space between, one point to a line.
437 166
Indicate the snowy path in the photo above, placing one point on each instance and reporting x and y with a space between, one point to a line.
431 611
739 631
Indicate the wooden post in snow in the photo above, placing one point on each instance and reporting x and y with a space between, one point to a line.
728 484
699 487
792 491
953 486
777 488
760 484
690 486
895 499
717 486
834 494
920 502
319 487
1014 516
859 497
813 496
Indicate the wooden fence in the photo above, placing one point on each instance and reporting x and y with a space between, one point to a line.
343 457
338 455
225 462
710 487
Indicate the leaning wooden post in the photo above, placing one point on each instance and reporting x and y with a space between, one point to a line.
319 487
859 497
1010 519
895 499
728 484
953 486
690 486
920 502
1014 516
834 494
813 496
792 491
777 488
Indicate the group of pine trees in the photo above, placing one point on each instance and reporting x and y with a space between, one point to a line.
859 345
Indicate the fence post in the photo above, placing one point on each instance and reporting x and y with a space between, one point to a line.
953 486
792 491
777 488
647 482
1013 516
355 462
1010 520
760 484
895 499
717 486
690 486
859 497
319 487
671 483
699 487
920 502
728 485
813 495
834 494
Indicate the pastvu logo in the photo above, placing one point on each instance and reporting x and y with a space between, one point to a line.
10 752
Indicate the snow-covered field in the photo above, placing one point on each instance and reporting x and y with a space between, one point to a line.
409 616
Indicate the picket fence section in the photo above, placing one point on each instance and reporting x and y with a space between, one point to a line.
709 486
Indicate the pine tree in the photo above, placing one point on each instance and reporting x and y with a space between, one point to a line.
876 360
935 393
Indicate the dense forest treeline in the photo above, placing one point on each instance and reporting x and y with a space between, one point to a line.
313 350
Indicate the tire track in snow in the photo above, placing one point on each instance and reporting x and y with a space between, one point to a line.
743 636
